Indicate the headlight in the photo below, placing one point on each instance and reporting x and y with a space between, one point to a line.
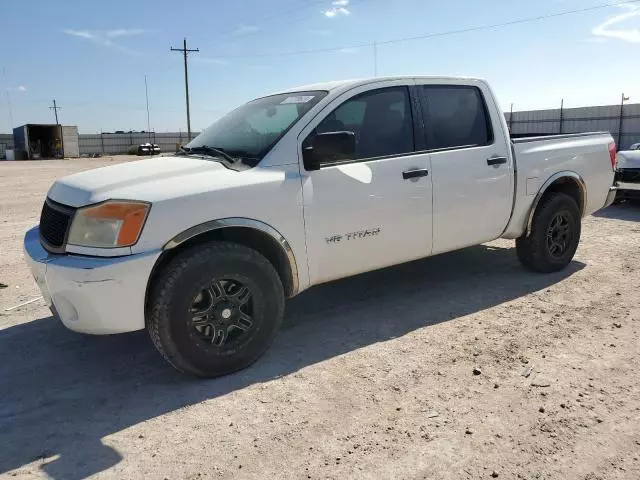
108 225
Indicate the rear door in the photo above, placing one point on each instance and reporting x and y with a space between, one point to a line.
375 209
70 142
471 168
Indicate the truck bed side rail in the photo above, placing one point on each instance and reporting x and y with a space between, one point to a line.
534 137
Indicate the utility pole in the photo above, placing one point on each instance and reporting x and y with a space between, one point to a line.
511 120
561 114
375 59
185 51
9 108
146 94
624 99
55 109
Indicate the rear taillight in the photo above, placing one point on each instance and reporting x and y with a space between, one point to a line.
612 154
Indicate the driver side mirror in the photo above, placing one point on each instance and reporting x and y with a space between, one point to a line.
327 148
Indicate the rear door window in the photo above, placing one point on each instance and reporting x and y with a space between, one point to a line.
456 117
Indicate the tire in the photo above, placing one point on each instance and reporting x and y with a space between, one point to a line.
539 254
206 280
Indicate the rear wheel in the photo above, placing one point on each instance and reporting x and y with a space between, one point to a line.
215 309
554 237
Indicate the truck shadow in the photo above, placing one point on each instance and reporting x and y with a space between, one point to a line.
62 392
628 210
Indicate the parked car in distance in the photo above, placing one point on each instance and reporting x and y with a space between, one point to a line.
635 146
300 188
628 175
148 149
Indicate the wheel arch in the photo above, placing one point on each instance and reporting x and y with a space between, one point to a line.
567 182
248 232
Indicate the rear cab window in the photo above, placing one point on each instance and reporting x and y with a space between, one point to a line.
455 116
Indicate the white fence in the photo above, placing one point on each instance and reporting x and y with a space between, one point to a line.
114 143
578 120
6 143
569 120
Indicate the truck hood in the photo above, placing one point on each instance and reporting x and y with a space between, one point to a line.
629 159
150 180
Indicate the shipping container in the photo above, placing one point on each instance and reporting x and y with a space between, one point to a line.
40 141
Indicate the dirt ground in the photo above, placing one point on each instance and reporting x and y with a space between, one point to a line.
371 377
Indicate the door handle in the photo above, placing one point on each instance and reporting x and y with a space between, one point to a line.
496 160
422 172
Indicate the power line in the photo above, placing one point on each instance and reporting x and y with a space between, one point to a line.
279 14
432 35
185 51
512 22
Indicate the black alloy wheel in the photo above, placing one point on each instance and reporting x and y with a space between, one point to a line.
222 313
559 235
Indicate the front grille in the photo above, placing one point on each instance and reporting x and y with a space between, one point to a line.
55 221
629 175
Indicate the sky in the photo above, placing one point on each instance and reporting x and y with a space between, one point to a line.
92 57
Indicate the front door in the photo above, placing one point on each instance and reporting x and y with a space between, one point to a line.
472 173
374 210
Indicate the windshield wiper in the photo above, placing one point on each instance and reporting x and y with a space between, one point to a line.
211 151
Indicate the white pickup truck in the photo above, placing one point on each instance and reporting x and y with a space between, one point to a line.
296 189
628 174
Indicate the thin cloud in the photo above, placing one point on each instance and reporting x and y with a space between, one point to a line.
22 88
80 33
627 35
125 32
339 7
104 38
595 40
349 50
245 29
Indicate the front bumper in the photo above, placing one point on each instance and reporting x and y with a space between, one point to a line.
92 294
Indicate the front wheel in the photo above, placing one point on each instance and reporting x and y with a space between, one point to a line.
554 237
215 308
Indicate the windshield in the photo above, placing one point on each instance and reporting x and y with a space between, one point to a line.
250 131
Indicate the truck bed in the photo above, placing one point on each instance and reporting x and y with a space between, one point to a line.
538 159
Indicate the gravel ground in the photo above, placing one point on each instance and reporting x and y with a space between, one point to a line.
371 377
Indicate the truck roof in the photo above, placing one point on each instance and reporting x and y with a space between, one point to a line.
336 84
